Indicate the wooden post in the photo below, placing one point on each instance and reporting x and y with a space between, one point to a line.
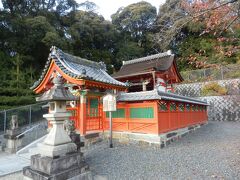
83 114
144 86
154 79
127 115
156 114
169 114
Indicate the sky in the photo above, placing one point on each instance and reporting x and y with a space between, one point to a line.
109 7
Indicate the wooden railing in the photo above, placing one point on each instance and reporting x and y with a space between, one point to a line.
180 118
174 116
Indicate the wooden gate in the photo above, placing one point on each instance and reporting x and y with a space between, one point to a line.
94 114
75 115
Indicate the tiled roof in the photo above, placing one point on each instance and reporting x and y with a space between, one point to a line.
160 62
147 58
157 95
78 68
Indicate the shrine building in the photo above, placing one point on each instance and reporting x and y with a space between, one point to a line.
148 107
144 74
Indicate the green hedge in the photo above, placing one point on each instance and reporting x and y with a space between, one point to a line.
16 100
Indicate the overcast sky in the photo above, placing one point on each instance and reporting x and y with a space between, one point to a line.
109 7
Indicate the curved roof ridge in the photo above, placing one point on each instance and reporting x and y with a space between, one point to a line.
68 57
140 92
78 68
150 57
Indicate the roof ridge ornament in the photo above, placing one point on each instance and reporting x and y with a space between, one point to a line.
169 52
53 48
103 66
84 71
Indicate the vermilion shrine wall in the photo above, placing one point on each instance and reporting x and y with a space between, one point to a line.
151 117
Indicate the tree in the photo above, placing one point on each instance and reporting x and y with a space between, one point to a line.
213 32
135 22
28 28
170 25
215 16
175 17
202 33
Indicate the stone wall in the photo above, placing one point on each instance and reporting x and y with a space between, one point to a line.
194 89
223 108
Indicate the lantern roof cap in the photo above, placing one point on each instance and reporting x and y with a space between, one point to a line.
57 92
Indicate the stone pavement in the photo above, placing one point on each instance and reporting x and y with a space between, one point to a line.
211 152
10 163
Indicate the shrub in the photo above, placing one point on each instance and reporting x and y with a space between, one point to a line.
213 89
14 91
16 101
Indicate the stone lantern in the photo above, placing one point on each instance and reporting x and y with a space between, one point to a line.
57 142
58 158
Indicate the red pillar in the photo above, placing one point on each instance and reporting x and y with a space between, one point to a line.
83 114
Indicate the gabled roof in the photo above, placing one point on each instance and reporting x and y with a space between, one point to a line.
78 68
159 62
157 95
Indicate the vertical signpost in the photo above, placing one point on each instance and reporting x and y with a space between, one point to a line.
109 105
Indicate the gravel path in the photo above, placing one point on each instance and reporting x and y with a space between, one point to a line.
211 152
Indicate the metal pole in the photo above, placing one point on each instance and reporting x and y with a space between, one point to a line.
30 115
110 128
5 121
222 76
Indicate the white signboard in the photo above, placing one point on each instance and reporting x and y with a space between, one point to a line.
109 103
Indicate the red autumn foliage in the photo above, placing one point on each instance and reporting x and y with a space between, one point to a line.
217 16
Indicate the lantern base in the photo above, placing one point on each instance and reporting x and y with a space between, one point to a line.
59 150
70 166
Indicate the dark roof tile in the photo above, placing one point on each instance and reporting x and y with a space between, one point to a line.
160 62
77 67
157 95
